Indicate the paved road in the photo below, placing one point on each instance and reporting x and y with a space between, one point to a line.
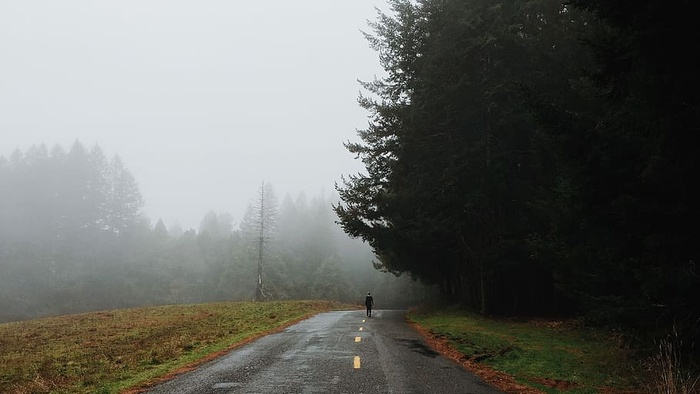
334 352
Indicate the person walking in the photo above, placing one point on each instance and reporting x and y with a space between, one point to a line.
369 302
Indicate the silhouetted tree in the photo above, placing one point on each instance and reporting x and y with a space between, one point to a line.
452 175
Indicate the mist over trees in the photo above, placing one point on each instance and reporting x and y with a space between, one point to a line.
73 239
535 157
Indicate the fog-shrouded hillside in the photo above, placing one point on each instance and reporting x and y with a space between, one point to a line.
73 238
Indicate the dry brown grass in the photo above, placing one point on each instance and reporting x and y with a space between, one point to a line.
113 351
667 374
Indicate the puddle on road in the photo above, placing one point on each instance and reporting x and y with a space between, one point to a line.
419 347
226 385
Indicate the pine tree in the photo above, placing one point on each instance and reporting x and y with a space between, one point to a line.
124 201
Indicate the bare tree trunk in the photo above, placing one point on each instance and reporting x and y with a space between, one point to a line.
259 289
488 224
482 287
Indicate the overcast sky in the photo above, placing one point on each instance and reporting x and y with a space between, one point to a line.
203 100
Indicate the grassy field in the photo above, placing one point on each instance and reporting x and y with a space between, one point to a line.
540 356
114 351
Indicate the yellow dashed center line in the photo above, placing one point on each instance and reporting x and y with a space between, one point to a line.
356 361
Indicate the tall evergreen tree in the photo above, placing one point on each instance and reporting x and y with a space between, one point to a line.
124 201
452 176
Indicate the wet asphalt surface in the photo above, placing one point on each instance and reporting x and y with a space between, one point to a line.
334 352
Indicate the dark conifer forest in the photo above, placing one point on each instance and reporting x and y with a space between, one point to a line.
536 158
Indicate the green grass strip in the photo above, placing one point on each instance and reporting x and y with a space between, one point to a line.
553 356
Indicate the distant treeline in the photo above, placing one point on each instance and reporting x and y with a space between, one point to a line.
536 157
73 238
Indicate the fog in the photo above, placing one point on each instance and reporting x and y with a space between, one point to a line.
203 101
137 135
